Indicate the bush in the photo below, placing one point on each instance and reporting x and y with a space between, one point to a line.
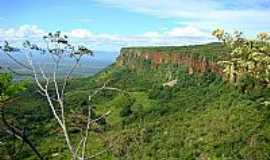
161 93
137 110
126 110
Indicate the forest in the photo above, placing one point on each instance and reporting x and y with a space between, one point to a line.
202 102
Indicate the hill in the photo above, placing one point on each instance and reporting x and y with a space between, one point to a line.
199 117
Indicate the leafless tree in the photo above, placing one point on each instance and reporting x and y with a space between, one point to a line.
57 47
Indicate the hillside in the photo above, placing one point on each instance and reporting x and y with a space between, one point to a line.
199 117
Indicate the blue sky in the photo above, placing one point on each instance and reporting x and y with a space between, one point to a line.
111 24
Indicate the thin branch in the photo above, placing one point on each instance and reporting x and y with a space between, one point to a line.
18 62
69 74
19 134
79 146
86 131
42 94
18 73
89 121
60 102
97 154
101 117
45 90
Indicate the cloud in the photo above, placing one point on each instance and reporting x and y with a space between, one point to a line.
152 34
206 14
24 31
79 33
105 41
175 36
186 32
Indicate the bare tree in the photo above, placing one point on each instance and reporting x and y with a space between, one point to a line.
57 48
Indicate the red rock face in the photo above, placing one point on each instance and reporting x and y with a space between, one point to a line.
157 58
194 64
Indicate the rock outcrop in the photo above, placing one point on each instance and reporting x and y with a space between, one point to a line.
188 56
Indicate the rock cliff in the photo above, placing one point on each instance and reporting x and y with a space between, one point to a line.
199 58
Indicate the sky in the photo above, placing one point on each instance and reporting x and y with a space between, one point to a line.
112 24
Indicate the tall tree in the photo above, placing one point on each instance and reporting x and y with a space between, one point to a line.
57 47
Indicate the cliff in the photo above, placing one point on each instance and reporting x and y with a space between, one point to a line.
197 58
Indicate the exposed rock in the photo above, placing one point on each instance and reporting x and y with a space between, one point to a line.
170 84
139 58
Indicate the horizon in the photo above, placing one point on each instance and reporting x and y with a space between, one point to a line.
108 25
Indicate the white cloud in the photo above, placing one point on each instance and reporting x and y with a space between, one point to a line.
207 14
105 41
176 36
186 32
80 33
151 34
25 31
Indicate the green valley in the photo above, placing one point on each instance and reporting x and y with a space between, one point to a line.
198 116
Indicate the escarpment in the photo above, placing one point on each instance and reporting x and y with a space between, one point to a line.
197 59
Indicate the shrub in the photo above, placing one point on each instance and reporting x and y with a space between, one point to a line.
126 110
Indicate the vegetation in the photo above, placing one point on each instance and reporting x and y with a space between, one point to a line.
201 117
248 59
10 131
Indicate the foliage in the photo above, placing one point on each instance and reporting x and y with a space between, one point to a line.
126 110
204 117
59 45
8 88
249 58
160 92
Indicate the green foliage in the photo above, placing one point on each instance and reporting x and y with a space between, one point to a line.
161 93
247 58
8 88
126 110
204 118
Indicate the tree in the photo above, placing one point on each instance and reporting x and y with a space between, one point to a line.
7 90
248 58
57 47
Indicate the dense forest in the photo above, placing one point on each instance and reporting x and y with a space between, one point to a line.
190 102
